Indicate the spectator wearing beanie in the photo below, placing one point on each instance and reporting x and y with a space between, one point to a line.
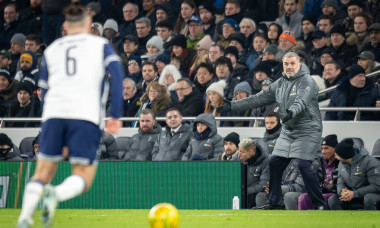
346 51
291 19
232 53
8 151
262 71
356 90
135 69
180 49
111 33
96 29
327 173
358 178
94 9
373 46
319 42
28 71
203 47
154 48
238 40
354 7
215 97
161 61
207 14
196 33
8 91
231 145
308 23
241 91
24 105
228 27
169 77
18 43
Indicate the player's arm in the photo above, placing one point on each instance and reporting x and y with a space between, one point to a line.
113 66
42 82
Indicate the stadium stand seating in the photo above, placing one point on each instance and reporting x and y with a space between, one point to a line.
122 143
26 146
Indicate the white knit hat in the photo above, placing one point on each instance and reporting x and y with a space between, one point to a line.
98 27
205 43
156 41
217 87
111 24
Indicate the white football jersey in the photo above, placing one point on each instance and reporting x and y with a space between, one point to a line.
75 66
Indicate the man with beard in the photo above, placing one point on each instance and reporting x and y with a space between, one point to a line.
297 95
231 143
291 18
28 65
373 45
142 143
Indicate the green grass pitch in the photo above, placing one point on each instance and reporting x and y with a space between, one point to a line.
72 218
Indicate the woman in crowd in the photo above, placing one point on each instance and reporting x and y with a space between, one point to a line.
188 9
202 54
154 48
169 78
215 97
274 32
180 50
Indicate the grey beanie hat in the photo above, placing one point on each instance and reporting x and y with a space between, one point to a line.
332 3
111 24
95 6
271 49
156 41
18 38
243 86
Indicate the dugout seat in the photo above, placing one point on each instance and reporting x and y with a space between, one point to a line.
122 143
358 142
26 147
376 149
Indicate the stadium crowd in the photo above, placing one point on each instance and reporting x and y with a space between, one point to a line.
187 58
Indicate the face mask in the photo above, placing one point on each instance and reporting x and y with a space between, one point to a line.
4 152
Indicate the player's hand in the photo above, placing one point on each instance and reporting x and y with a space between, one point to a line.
288 116
226 107
113 126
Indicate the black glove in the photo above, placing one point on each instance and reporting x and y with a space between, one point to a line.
288 116
226 107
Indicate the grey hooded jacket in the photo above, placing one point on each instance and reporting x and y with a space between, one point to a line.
142 145
208 148
171 148
300 136
362 176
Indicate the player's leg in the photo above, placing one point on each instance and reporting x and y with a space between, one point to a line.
310 179
277 165
47 159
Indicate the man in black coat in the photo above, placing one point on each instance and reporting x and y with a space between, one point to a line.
190 101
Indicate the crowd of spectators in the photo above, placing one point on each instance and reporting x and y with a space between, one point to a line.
226 49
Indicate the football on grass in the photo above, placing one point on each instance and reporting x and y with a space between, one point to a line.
163 215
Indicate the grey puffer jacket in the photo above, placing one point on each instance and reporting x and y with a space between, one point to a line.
171 148
141 147
257 171
208 148
362 176
300 136
270 140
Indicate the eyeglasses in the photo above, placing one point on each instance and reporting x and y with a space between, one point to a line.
181 89
194 26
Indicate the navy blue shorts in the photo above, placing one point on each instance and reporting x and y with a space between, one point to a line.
81 137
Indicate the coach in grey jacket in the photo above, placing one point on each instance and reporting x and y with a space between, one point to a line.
204 145
172 142
142 143
296 94
358 178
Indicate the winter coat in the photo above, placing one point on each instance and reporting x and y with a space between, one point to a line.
192 105
315 61
142 145
257 171
375 50
172 148
239 74
298 94
108 148
261 112
362 176
291 179
208 148
346 53
270 139
8 98
202 88
12 155
366 98
192 43
294 23
321 173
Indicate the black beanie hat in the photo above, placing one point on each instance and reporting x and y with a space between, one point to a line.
27 86
5 140
310 18
264 66
232 50
179 40
4 72
355 70
239 37
338 28
330 140
232 137
345 149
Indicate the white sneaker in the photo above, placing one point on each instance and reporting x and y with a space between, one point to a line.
49 204
24 224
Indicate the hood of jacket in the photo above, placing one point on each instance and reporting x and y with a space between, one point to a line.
207 119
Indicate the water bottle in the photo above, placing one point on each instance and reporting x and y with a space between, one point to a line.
235 203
